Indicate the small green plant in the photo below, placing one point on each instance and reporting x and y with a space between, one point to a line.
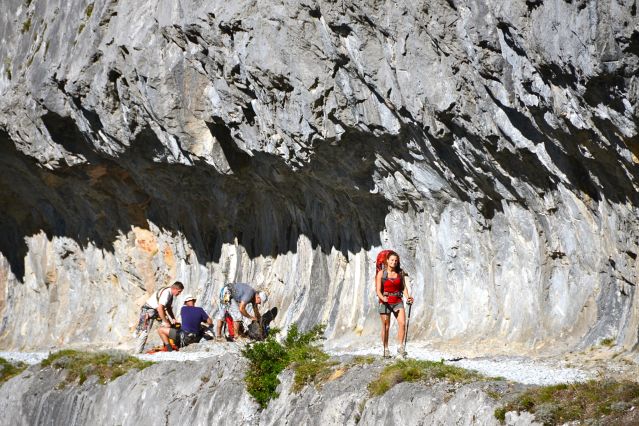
412 370
107 365
26 26
89 10
500 414
564 403
8 369
607 342
269 358
81 28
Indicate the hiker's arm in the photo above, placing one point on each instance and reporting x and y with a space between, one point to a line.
208 319
244 312
162 314
378 286
170 315
257 312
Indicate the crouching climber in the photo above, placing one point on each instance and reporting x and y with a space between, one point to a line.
234 298
158 306
190 330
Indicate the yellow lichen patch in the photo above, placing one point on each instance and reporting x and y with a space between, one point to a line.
336 374
169 258
145 240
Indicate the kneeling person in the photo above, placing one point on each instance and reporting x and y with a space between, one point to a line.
234 299
190 330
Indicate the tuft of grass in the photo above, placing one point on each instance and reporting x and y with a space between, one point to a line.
412 370
269 358
26 26
81 28
9 369
89 10
107 365
564 403
363 360
607 342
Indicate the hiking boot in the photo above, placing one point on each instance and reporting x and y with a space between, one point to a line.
220 339
167 348
401 353
386 353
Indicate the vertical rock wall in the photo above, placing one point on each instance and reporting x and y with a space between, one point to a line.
284 143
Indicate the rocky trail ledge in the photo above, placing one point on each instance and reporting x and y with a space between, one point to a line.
203 384
206 386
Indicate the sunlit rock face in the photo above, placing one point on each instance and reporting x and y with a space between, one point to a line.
492 144
212 391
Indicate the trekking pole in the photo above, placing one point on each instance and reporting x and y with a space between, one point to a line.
410 305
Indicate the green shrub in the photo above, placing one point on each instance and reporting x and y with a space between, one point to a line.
9 369
89 10
412 370
107 365
564 403
269 358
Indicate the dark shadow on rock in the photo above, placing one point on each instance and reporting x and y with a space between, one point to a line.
263 204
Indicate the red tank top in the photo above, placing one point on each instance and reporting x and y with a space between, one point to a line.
393 285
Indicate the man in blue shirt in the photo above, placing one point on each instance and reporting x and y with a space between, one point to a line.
190 331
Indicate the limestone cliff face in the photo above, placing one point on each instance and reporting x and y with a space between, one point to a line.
284 143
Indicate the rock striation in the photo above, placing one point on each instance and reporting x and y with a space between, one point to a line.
211 391
283 143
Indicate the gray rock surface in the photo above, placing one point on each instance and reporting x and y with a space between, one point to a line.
493 144
211 391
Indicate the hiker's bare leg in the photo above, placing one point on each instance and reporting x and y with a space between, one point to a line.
385 326
164 334
401 325
236 328
218 328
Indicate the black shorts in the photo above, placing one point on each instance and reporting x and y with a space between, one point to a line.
174 335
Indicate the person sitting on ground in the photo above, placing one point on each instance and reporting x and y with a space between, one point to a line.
159 305
234 299
390 285
190 330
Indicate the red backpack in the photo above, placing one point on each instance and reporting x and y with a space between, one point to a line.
380 263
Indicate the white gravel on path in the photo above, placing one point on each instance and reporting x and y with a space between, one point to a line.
26 357
517 369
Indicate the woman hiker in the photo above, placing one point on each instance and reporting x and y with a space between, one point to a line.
391 286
